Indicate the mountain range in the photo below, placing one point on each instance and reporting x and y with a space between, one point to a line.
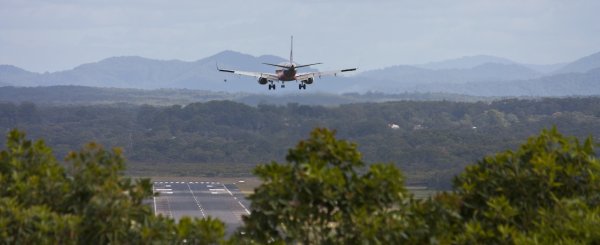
470 75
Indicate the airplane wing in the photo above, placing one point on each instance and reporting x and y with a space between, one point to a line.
319 74
268 76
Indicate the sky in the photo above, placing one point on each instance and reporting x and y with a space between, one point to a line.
54 35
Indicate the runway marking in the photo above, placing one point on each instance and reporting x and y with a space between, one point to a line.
169 207
154 199
198 203
154 205
170 214
167 185
244 207
162 189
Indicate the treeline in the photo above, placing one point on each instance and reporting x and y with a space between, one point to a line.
546 192
82 95
430 141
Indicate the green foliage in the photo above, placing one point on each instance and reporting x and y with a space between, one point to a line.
570 221
514 193
546 192
320 196
434 141
89 202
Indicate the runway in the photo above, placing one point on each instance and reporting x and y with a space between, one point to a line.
201 199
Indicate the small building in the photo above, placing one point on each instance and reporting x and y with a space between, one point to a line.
393 126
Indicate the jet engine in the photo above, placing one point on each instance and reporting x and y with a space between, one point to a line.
262 80
309 81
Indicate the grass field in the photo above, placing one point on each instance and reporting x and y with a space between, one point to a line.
178 169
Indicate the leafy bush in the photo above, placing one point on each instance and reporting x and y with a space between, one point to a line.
88 202
515 192
324 194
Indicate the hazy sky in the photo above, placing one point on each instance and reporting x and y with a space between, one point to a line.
56 35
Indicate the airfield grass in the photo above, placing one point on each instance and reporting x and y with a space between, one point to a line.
179 169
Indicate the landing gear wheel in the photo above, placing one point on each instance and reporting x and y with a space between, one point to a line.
282 85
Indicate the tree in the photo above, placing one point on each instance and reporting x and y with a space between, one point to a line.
550 186
546 192
42 202
324 194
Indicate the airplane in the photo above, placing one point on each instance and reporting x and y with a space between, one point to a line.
287 73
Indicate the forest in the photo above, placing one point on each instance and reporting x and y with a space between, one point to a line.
430 141
546 192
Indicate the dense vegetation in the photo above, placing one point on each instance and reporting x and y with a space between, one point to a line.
81 95
433 140
546 192
86 202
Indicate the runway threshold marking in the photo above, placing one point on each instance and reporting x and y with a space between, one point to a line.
244 207
169 207
198 203
154 199
170 214
154 205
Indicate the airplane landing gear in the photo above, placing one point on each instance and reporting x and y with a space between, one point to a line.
272 86
282 85
302 86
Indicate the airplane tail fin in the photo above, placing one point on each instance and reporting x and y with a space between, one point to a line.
291 59
292 50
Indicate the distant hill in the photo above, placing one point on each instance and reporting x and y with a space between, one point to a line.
487 72
473 75
545 69
143 73
584 64
575 84
465 62
12 75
